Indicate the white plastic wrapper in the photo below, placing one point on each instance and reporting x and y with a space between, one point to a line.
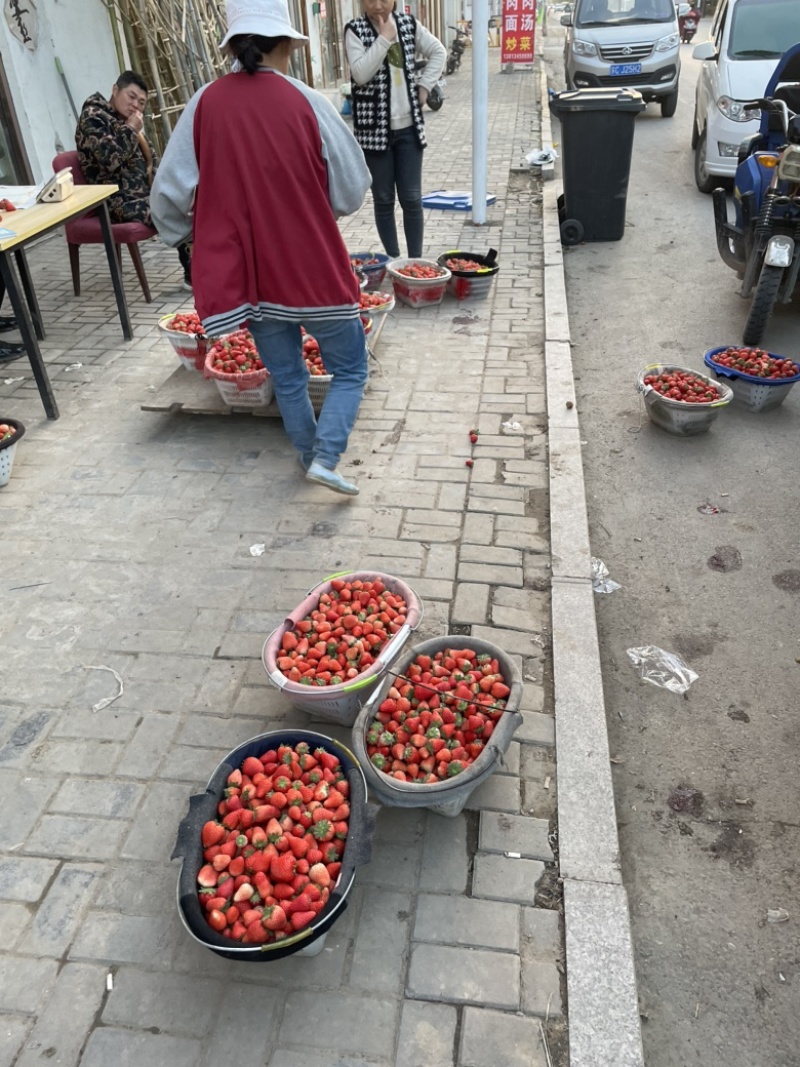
661 668
539 157
258 550
601 583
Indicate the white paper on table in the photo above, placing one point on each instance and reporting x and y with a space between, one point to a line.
21 196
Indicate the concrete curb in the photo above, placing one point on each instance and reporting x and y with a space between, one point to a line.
603 1007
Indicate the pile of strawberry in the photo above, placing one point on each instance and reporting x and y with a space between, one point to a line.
344 634
235 354
420 270
436 720
276 850
311 353
466 265
187 322
684 386
6 431
757 362
374 300
356 263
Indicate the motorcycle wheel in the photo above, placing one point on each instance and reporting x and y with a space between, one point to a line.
451 67
769 282
695 134
435 100
704 181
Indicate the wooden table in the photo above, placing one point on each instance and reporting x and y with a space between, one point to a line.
33 222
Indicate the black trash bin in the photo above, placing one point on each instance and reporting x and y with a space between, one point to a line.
597 144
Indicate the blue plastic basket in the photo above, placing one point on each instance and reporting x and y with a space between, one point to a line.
375 272
755 394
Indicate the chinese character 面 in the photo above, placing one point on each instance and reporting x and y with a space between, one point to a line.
511 23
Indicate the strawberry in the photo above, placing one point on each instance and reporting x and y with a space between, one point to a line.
282 868
299 847
327 759
320 875
207 876
301 919
274 918
300 903
255 934
283 891
323 831
212 834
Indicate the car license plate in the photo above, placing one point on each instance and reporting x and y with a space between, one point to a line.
623 70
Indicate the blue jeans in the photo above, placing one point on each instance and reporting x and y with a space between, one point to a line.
400 166
344 352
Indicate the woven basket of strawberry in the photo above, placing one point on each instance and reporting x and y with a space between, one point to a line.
185 333
270 849
232 362
439 724
336 646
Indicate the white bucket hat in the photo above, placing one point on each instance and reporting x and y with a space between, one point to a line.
262 18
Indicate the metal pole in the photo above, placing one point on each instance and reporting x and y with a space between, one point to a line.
480 101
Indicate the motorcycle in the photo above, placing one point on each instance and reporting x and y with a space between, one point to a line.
457 49
687 25
763 243
436 94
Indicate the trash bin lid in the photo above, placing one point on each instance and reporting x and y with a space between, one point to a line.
601 99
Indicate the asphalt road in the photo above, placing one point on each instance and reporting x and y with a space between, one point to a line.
719 984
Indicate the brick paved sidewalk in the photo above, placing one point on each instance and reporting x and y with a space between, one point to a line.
126 544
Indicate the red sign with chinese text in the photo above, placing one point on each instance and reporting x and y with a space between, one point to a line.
519 22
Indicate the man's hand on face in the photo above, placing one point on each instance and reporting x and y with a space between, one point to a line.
135 121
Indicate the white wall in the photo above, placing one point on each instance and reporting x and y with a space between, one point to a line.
79 33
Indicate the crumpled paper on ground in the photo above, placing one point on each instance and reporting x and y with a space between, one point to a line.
107 700
661 668
601 583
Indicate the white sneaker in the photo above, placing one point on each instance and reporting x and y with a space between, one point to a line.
331 479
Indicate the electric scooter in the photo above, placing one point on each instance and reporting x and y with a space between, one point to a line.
457 49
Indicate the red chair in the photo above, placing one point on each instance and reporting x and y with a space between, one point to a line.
86 231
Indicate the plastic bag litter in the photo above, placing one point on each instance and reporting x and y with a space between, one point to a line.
540 157
661 668
601 583
511 427
258 550
777 915
107 700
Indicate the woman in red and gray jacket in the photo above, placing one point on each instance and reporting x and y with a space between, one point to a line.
256 173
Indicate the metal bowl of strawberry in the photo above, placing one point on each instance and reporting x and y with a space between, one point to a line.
187 337
270 849
336 646
681 401
418 282
439 723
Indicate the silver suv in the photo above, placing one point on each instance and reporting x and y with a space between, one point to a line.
631 44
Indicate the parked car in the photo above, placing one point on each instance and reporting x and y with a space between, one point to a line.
745 42
625 44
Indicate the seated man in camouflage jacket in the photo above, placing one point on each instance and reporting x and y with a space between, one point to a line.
113 149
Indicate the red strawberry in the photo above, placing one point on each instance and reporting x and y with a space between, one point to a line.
323 831
282 868
252 766
212 834
255 934
327 759
274 918
300 903
283 891
301 919
299 846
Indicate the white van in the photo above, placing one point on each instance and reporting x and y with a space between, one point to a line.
746 40
630 44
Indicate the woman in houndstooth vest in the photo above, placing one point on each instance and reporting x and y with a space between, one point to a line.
381 48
